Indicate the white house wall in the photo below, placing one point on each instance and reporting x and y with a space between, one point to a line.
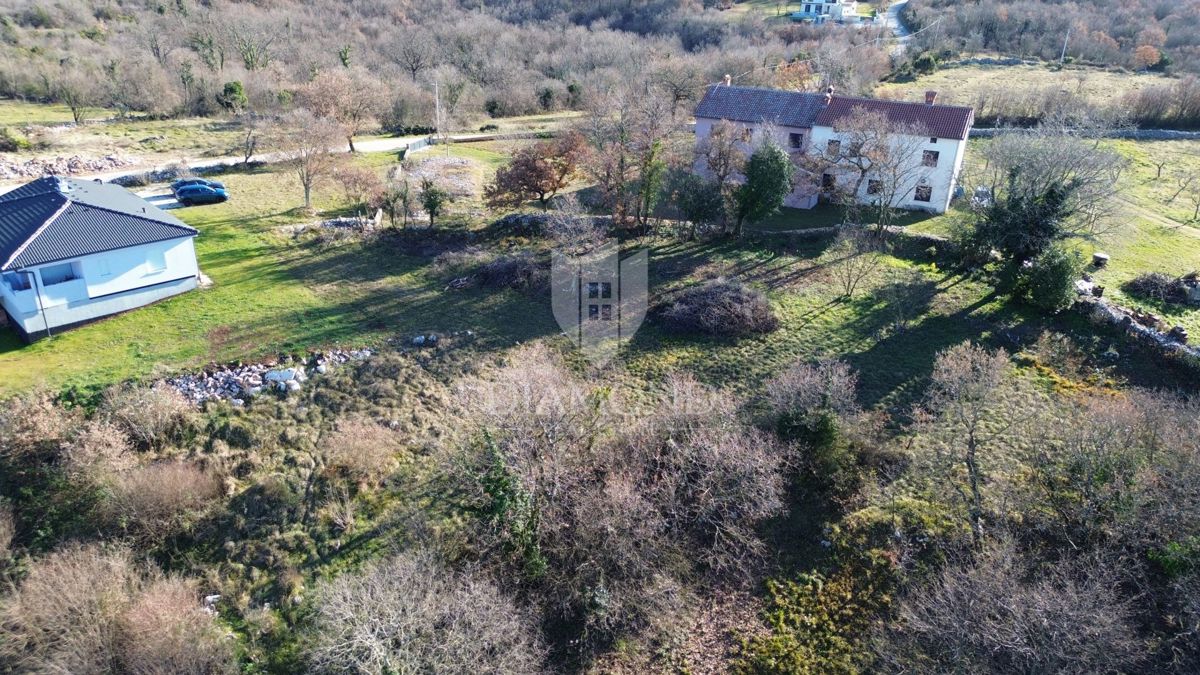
801 197
111 282
126 269
941 179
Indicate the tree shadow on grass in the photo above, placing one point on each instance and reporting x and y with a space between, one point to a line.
894 370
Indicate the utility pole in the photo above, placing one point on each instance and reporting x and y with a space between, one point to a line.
1063 57
439 121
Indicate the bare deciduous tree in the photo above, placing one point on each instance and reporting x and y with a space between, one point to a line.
882 160
414 51
963 398
305 143
1058 153
351 97
410 614
996 615
858 255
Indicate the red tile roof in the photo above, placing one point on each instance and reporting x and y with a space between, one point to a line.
940 121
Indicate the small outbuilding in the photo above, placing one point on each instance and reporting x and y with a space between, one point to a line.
74 251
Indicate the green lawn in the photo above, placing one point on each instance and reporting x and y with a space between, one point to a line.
771 9
271 294
275 294
17 113
828 215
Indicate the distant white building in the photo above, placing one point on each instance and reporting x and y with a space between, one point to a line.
74 251
820 11
805 122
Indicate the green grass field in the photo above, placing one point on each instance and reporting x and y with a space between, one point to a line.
271 294
969 84
274 293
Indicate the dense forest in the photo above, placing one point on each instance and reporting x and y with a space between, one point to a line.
489 59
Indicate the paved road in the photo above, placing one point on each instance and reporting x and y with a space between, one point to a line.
903 35
368 145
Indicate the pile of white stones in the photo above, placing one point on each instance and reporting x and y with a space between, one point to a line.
238 383
60 166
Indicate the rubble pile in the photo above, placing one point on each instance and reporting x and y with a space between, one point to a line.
36 167
240 382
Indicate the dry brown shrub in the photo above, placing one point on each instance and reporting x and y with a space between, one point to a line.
33 428
8 530
99 450
722 307
152 416
998 615
153 502
520 270
84 609
458 263
615 509
362 449
805 388
64 616
410 614
165 632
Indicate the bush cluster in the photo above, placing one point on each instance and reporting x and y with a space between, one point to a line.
721 307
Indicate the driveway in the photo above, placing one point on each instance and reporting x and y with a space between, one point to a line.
902 33
162 198
371 145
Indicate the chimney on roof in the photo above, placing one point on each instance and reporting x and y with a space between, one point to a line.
829 94
930 97
728 80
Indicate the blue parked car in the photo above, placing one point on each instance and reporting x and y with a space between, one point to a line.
185 182
191 195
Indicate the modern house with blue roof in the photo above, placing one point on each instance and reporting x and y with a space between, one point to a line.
74 251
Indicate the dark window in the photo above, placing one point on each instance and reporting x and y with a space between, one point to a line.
930 157
874 187
58 274
606 312
827 181
606 290
17 281
833 147
795 141
924 193
593 312
593 290
933 140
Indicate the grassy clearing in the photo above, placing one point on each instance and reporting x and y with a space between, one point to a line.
771 9
968 84
276 294
827 215
271 294
18 113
